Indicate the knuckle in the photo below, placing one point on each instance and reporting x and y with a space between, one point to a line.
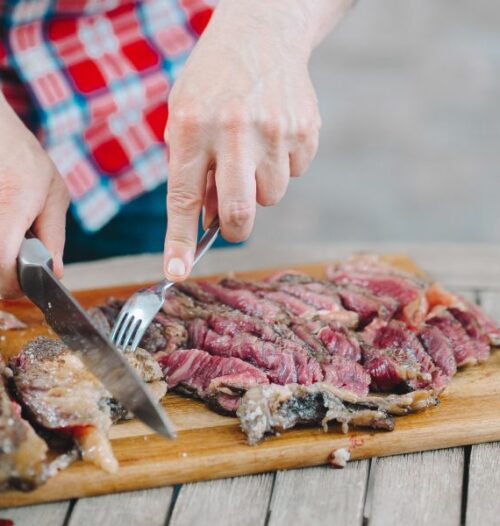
183 200
234 118
237 214
9 192
185 118
272 131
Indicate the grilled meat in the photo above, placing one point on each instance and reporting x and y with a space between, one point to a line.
61 395
220 381
23 454
273 408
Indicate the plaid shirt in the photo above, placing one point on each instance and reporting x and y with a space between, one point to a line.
92 77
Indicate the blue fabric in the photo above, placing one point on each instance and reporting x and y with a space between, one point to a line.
138 228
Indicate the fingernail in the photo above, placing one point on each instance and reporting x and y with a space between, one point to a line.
176 267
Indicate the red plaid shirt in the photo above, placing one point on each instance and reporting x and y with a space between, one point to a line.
92 77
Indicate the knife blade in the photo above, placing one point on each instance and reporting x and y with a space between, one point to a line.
70 321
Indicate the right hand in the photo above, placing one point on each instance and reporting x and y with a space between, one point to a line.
32 194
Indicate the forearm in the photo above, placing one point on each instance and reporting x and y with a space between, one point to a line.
299 24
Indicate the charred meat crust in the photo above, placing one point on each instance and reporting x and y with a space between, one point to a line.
272 408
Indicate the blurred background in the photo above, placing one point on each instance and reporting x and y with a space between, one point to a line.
410 145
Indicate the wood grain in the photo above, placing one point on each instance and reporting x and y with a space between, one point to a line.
241 500
210 446
423 489
320 495
149 507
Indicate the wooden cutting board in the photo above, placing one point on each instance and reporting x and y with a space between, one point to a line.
212 446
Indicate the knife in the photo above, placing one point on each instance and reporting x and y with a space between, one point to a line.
70 321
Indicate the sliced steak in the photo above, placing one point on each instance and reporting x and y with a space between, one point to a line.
394 358
220 381
61 395
297 299
23 454
366 305
165 333
474 330
245 301
437 296
382 280
270 409
346 374
438 347
466 350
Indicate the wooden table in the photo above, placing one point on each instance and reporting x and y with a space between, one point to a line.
446 487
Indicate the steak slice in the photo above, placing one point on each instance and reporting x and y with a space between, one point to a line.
395 359
283 361
245 301
23 454
335 339
165 333
466 350
474 330
61 395
219 381
366 305
270 409
382 280
438 347
297 299
346 374
437 296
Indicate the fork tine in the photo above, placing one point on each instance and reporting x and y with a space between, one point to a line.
117 326
141 329
124 329
132 329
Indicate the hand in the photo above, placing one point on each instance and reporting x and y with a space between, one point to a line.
243 119
32 194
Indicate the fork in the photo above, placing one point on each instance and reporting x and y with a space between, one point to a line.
140 309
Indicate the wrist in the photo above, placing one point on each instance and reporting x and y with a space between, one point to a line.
297 24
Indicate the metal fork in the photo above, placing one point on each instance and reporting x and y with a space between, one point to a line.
141 308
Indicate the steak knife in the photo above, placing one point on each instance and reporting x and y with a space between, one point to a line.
73 325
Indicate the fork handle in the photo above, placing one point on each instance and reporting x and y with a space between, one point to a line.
206 241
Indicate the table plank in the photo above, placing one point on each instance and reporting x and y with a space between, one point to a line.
124 509
43 514
483 505
242 500
320 495
421 488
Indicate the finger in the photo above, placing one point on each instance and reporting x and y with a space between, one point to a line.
18 210
302 155
236 186
186 190
272 179
50 225
210 207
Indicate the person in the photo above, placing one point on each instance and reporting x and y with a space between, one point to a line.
83 119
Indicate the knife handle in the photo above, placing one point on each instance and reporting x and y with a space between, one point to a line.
33 257
34 253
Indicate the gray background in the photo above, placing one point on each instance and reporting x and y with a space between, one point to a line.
410 98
